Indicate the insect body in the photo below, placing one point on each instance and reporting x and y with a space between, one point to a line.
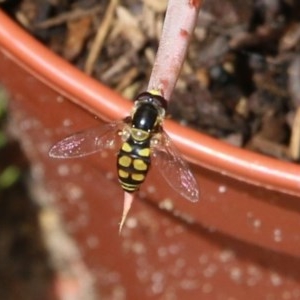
134 157
141 143
133 164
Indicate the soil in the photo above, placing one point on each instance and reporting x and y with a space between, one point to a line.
240 81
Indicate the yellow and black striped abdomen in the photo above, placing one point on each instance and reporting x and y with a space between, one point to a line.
133 164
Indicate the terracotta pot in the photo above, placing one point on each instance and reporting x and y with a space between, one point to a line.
241 240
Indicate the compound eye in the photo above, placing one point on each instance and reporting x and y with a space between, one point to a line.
139 135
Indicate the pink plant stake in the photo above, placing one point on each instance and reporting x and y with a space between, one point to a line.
179 24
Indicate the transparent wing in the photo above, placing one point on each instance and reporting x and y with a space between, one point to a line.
173 168
88 141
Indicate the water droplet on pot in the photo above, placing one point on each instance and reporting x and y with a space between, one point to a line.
210 270
226 255
222 189
275 279
151 189
167 204
157 279
257 223
63 170
74 192
236 274
277 235
138 248
92 242
60 99
67 122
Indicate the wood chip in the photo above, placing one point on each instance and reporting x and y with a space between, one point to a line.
291 38
127 79
132 90
118 66
130 28
78 31
159 6
260 144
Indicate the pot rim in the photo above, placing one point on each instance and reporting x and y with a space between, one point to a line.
85 91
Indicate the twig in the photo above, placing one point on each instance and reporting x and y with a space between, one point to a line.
294 147
127 79
100 36
69 16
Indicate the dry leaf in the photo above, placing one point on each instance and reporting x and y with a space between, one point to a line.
78 31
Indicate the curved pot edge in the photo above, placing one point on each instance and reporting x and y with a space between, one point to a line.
92 95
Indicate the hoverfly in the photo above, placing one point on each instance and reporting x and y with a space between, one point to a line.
141 142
